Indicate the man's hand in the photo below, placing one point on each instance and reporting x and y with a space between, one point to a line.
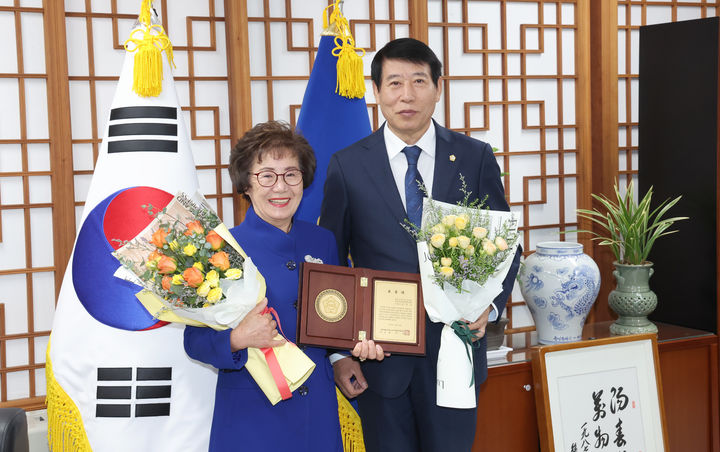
480 324
345 369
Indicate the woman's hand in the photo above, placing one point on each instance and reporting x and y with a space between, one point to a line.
255 330
368 349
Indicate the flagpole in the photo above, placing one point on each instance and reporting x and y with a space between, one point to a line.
238 62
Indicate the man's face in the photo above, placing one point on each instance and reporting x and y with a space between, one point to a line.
407 98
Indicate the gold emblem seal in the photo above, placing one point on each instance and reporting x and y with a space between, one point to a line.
331 305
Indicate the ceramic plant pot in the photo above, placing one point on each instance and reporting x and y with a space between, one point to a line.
495 333
559 284
632 299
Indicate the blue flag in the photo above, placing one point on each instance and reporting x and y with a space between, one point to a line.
328 121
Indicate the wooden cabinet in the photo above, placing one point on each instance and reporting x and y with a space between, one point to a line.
689 374
506 410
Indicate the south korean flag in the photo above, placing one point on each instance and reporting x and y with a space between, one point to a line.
118 379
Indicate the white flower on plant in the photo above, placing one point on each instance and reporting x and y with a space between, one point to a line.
479 232
449 220
489 247
463 241
462 221
453 242
438 229
501 243
447 272
446 261
470 250
437 240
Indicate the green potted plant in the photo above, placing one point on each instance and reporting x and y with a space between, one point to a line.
631 230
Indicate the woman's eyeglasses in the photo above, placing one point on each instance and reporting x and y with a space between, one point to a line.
269 178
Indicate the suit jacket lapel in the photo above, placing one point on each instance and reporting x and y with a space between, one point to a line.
379 173
445 170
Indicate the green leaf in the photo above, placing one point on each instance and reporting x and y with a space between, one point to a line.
631 227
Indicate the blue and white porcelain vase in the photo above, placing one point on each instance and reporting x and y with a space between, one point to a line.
559 283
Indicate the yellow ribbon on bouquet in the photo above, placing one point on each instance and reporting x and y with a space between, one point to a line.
295 365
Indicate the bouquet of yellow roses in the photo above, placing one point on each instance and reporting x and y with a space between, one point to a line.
465 252
194 272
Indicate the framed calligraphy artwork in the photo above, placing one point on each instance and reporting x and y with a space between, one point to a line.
600 395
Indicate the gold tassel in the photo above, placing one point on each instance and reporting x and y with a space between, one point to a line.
350 425
148 65
147 73
66 432
350 79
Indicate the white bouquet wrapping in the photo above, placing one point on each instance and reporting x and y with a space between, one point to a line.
465 253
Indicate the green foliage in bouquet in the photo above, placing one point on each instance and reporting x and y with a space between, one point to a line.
463 244
632 228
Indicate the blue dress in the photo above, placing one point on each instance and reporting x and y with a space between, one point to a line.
244 419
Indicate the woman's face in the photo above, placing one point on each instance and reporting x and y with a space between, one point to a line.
276 204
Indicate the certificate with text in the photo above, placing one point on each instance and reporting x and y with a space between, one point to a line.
395 311
340 306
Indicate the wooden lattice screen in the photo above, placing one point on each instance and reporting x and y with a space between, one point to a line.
27 268
517 74
522 77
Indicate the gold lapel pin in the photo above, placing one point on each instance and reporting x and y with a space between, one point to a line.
452 157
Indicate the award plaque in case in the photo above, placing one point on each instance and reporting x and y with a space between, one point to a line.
339 306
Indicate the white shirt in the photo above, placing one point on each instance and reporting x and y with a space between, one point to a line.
398 161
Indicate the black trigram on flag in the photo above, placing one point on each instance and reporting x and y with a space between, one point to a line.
143 129
115 396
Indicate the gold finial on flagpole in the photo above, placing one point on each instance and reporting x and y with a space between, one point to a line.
145 15
350 80
331 29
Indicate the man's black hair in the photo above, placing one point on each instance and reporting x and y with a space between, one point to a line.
407 49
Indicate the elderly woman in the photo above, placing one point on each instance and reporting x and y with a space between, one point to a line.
270 166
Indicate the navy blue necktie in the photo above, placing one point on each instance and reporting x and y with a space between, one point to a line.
413 194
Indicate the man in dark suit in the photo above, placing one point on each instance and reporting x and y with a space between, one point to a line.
370 191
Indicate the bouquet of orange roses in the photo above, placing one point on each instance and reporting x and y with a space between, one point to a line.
194 272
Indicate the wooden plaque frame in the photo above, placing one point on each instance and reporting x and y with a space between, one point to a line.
357 287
